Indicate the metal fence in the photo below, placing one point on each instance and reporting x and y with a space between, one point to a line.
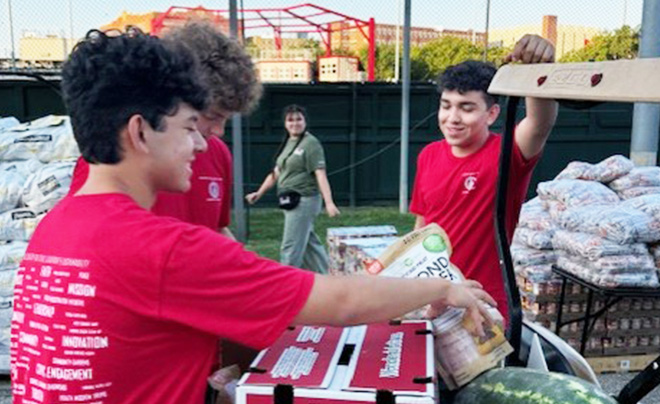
359 127
37 35
40 34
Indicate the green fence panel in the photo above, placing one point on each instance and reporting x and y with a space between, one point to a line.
358 124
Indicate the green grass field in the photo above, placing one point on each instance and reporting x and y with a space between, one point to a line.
265 225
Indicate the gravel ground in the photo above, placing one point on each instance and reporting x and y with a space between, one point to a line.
613 383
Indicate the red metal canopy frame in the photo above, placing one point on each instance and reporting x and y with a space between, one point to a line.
300 18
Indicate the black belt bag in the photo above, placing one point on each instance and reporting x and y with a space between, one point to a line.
288 200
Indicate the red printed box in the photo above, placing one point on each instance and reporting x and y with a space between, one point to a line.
380 363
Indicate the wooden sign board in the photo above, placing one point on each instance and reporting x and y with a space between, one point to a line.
635 80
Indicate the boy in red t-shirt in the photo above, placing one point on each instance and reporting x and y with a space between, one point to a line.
114 304
456 179
229 75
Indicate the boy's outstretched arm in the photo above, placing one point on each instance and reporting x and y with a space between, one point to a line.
533 131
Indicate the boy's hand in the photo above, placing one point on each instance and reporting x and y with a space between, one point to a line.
471 296
532 49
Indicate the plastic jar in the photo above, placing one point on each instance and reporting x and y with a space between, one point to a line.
455 346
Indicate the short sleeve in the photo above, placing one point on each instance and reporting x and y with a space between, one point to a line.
212 284
522 165
315 159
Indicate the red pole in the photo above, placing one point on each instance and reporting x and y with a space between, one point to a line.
328 46
278 42
372 51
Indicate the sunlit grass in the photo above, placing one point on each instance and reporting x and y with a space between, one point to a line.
265 225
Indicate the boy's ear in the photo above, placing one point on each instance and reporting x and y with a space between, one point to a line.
493 113
134 134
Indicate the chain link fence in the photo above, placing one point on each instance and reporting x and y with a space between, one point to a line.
331 40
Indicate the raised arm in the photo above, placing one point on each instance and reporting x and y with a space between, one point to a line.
533 131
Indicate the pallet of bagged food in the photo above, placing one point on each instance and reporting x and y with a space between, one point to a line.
36 164
601 223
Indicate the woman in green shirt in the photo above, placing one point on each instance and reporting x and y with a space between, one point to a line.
301 181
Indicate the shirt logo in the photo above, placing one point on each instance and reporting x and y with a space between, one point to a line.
214 190
469 183
299 152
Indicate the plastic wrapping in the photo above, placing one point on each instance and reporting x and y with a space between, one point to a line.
24 168
335 236
47 186
11 254
460 357
577 170
539 239
8 123
535 273
48 139
533 215
654 249
621 224
18 224
11 188
7 278
637 191
360 253
627 226
616 264
592 247
555 209
573 193
638 177
6 313
613 167
525 256
649 204
607 170
641 277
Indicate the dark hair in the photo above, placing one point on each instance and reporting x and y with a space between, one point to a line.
106 80
470 75
227 69
291 109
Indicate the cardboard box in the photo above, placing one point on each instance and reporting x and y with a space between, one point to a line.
360 253
336 235
380 363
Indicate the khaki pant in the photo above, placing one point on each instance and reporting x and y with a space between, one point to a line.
301 247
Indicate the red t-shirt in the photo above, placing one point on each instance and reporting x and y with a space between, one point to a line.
114 304
459 195
207 203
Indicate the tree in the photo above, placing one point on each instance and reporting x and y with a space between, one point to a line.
440 53
429 60
623 43
385 57
496 54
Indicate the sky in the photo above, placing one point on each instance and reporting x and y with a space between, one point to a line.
61 16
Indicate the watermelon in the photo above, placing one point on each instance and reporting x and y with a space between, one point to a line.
529 386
